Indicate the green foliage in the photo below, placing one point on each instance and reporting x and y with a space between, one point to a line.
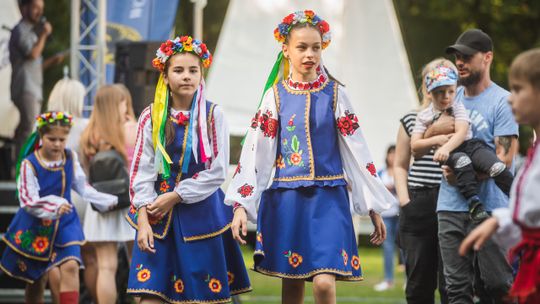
428 27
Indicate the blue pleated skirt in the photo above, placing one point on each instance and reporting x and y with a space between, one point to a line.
209 270
67 246
306 231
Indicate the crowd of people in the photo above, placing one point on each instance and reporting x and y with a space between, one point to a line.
86 186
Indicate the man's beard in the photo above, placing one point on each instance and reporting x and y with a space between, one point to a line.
473 78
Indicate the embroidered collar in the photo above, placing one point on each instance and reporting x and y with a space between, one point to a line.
179 117
303 86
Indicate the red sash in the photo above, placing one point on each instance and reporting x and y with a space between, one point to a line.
527 281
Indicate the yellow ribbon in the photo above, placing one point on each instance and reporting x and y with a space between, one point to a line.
159 118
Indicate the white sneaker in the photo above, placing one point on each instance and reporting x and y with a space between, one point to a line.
383 286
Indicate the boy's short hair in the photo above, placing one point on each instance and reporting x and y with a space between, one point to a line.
526 66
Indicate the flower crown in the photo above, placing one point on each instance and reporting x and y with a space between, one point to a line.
178 45
440 76
51 117
307 16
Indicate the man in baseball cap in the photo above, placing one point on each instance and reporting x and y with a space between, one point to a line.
492 123
471 42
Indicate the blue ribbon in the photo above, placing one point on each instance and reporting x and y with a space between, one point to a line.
189 143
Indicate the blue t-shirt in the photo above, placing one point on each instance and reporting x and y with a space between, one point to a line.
491 116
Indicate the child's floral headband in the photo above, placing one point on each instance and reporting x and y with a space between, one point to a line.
307 16
51 117
178 45
440 76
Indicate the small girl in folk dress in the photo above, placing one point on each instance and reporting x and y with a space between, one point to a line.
46 233
307 129
519 225
185 253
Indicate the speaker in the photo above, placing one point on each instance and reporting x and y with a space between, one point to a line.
133 68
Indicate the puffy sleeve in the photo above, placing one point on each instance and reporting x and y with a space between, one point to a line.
43 207
254 170
142 174
368 190
101 201
206 182
508 234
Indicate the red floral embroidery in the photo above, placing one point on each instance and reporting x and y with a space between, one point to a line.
215 285
179 286
164 186
268 124
132 209
40 244
347 124
245 190
46 223
371 168
230 277
17 237
195 176
182 119
355 262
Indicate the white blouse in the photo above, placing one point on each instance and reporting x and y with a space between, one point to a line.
47 207
528 208
192 190
258 158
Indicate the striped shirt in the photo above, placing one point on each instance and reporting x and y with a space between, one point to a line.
424 172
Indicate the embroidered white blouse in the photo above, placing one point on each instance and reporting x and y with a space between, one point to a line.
47 207
259 157
143 174
523 197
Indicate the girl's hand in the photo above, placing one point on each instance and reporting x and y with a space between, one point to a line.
441 155
64 209
239 222
379 234
440 140
479 236
145 235
163 204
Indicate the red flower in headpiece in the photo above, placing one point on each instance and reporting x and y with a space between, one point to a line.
204 49
324 26
183 38
288 19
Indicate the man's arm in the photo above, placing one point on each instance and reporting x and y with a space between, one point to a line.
505 148
37 49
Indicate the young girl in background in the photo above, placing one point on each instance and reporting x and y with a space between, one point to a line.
185 252
46 233
105 231
305 127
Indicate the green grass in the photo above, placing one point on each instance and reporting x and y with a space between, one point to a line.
268 289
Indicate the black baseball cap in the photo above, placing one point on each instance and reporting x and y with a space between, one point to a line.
471 42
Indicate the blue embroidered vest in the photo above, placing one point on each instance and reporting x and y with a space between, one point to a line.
307 153
204 219
31 236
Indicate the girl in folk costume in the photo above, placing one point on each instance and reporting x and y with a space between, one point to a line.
307 129
519 225
46 232
185 253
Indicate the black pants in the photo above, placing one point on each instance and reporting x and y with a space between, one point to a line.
484 273
418 239
474 155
